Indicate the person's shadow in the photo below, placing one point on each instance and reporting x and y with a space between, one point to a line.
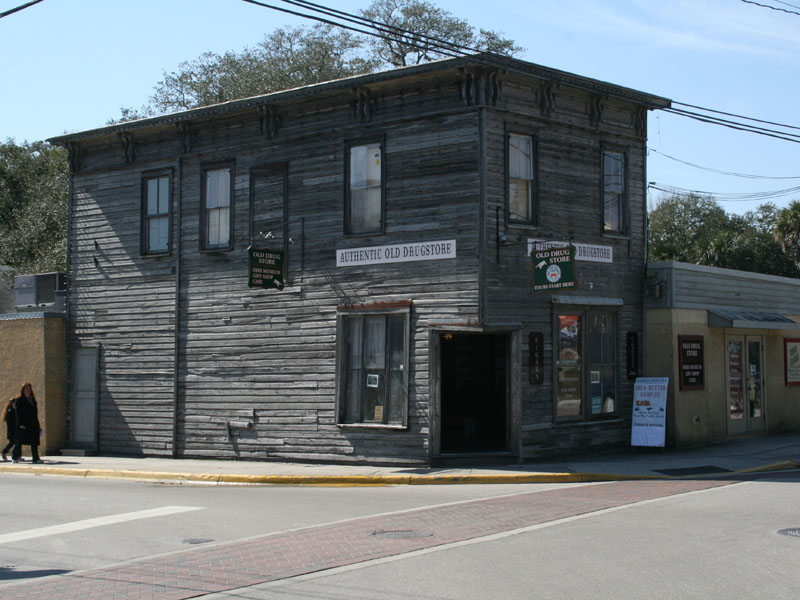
8 573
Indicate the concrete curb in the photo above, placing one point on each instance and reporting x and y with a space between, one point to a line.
368 480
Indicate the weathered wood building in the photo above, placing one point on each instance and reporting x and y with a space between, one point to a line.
393 215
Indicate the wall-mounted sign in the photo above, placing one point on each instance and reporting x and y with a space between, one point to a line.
266 268
691 362
791 358
536 361
632 354
586 252
395 253
554 269
649 418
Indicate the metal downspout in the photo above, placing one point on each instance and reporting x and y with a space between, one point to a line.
177 317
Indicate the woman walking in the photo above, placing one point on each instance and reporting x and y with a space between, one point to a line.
9 416
28 428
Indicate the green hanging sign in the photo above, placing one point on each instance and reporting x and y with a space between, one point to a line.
266 268
554 269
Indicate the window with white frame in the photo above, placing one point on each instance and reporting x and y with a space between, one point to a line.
156 214
520 178
614 195
217 208
586 365
364 210
373 373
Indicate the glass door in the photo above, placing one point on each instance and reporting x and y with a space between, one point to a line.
744 376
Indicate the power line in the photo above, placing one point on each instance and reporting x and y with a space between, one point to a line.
717 170
725 197
387 32
19 8
791 12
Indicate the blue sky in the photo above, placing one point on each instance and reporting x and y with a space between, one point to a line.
69 65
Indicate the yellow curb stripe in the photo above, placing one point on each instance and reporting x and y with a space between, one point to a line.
369 480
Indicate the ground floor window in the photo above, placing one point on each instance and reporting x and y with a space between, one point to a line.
373 376
586 365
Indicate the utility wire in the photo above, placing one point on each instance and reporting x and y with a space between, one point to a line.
717 170
791 12
19 8
388 32
723 197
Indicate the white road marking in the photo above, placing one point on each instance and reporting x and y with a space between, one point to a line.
18 536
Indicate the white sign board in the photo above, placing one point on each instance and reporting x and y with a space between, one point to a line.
649 424
395 253
587 252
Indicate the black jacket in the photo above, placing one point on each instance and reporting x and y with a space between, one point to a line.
28 417
11 420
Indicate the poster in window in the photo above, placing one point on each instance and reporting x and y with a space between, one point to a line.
791 357
568 338
735 380
691 362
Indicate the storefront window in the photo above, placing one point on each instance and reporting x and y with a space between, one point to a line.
570 367
586 365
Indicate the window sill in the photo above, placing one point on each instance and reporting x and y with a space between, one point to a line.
615 419
615 235
371 426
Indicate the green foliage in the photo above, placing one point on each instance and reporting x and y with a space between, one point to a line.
400 49
294 57
787 229
697 230
34 180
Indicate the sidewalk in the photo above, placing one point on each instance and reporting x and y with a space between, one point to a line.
761 453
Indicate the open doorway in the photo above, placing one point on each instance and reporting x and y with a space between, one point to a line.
474 408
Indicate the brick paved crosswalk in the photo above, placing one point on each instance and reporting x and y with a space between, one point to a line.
232 565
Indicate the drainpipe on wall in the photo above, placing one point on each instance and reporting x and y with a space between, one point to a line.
177 317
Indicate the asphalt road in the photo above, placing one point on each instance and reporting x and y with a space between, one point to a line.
621 540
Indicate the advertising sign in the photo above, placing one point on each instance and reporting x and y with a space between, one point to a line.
536 350
691 362
791 356
395 253
648 426
266 268
554 269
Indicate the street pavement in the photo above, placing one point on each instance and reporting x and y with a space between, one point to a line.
740 455
220 569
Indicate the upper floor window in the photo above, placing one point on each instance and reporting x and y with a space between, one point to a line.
156 214
520 178
216 212
364 209
614 196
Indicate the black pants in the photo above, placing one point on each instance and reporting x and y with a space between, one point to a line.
8 447
18 450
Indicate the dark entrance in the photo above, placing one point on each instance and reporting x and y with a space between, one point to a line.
473 392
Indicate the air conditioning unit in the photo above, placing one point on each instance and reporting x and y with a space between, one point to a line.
31 291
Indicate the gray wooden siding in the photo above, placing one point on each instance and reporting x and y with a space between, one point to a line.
268 358
685 285
568 165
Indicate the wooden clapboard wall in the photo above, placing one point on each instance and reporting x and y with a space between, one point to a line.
187 347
